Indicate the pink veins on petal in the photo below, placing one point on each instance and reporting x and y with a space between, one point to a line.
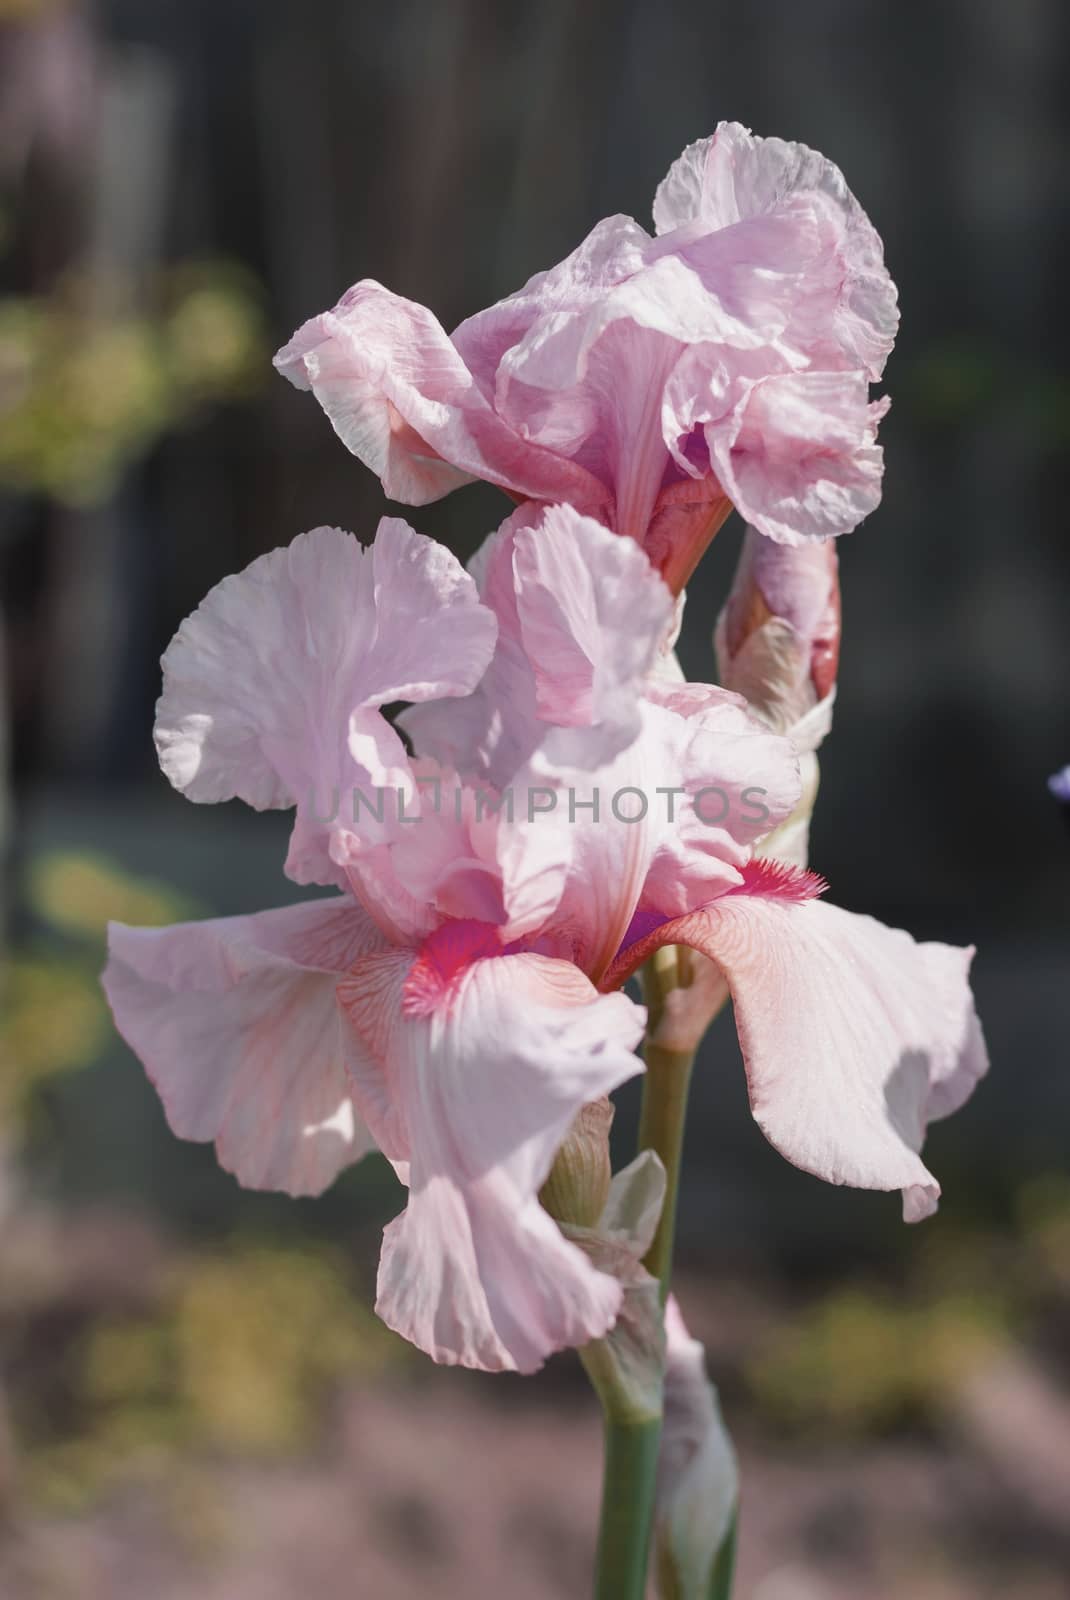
443 956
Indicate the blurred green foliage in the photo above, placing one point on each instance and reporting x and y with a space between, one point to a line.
861 1360
53 1021
78 893
864 1358
84 393
241 1357
22 10
54 1018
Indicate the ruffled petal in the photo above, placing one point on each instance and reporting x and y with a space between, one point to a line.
401 398
735 177
581 620
592 616
613 250
854 1037
591 384
271 687
236 1024
798 457
473 1072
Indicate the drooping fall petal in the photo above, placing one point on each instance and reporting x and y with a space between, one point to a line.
473 1077
236 1023
854 1037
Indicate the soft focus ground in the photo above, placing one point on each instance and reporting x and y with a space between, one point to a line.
394 1482
199 1405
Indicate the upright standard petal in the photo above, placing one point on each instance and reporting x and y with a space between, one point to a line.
236 1024
735 177
472 1070
854 1037
582 617
593 383
272 687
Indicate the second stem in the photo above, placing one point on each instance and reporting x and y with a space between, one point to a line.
664 1107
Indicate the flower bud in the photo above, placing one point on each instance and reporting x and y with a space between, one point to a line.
778 636
778 644
578 1186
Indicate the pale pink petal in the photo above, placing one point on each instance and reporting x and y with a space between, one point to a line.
236 1023
429 859
581 621
735 177
401 398
854 1037
667 825
262 681
592 614
433 638
479 1067
799 457
591 384
612 251
491 731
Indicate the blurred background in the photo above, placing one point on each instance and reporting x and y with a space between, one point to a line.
195 1399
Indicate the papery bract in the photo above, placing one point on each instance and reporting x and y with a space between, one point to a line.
698 1478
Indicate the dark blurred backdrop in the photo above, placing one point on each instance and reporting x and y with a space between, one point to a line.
180 185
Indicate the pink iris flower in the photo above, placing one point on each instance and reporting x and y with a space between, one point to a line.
458 1002
652 382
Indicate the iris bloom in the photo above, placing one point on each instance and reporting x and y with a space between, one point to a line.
652 382
456 1003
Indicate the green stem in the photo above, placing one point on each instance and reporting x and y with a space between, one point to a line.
629 1480
632 1440
664 1108
661 1128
